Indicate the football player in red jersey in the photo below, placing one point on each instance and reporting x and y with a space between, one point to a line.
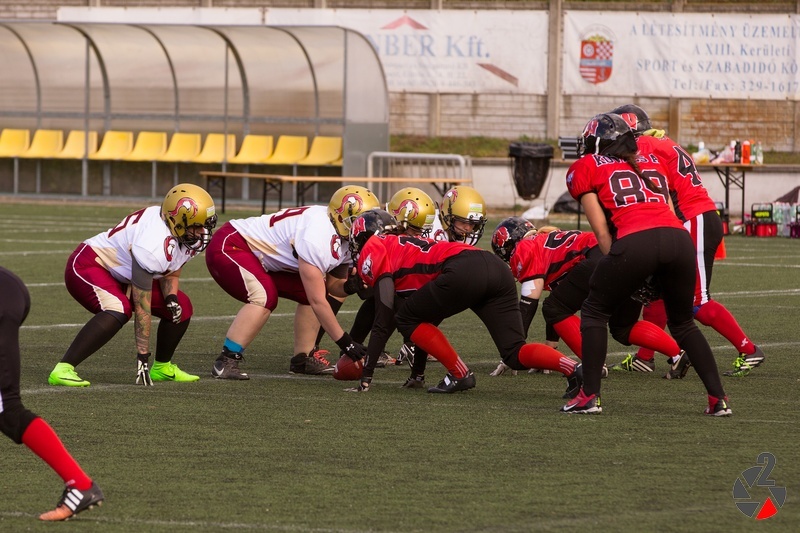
626 200
699 216
441 279
298 253
133 269
24 427
562 262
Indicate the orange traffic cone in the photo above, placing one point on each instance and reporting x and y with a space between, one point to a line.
720 254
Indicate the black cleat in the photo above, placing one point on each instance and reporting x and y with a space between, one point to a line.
452 384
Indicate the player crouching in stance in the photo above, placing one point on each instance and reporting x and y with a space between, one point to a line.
299 253
440 280
133 269
562 262
24 427
626 199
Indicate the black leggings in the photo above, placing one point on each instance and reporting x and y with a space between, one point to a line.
14 306
668 254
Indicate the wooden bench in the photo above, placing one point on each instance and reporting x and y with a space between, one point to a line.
275 182
568 147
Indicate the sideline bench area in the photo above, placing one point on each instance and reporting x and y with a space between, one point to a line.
275 182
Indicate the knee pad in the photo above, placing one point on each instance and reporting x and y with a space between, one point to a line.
14 420
621 334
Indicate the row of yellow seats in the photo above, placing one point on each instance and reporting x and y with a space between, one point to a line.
182 147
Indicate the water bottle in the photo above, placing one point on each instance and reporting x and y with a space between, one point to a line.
737 151
758 154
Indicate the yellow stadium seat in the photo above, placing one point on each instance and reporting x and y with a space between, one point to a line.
75 147
150 145
116 145
217 148
14 142
324 151
288 150
183 148
45 144
255 149
337 163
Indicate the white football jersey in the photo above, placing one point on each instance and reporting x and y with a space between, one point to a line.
279 239
145 236
438 233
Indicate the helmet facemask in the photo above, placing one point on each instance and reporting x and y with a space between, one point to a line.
463 206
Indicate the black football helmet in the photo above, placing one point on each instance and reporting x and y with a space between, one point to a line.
369 223
635 116
605 134
508 233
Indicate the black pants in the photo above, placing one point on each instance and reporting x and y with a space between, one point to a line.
14 306
669 255
476 280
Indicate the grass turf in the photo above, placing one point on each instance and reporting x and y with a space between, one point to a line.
296 453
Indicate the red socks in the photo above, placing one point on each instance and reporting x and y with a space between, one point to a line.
43 441
657 314
717 316
647 334
544 357
569 330
432 340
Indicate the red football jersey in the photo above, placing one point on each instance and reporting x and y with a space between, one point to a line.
550 255
689 195
411 261
629 204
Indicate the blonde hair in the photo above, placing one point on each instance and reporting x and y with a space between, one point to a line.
547 229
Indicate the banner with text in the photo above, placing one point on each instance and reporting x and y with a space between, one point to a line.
447 51
684 55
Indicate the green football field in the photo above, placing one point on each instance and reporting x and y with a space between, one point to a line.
296 453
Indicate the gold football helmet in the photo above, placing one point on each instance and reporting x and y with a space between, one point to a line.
413 209
189 212
346 204
463 214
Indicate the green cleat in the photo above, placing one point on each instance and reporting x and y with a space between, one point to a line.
170 372
741 368
64 374
632 363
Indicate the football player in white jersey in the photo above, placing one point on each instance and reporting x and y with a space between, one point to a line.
133 269
299 253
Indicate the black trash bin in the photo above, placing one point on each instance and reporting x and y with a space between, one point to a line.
530 165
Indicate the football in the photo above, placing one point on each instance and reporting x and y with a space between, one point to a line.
348 370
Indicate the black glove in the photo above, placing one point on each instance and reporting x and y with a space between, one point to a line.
650 291
362 387
354 350
353 284
143 370
174 307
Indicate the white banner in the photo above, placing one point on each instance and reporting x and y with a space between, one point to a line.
450 51
684 55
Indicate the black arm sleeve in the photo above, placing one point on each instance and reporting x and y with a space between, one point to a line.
141 277
527 307
384 324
